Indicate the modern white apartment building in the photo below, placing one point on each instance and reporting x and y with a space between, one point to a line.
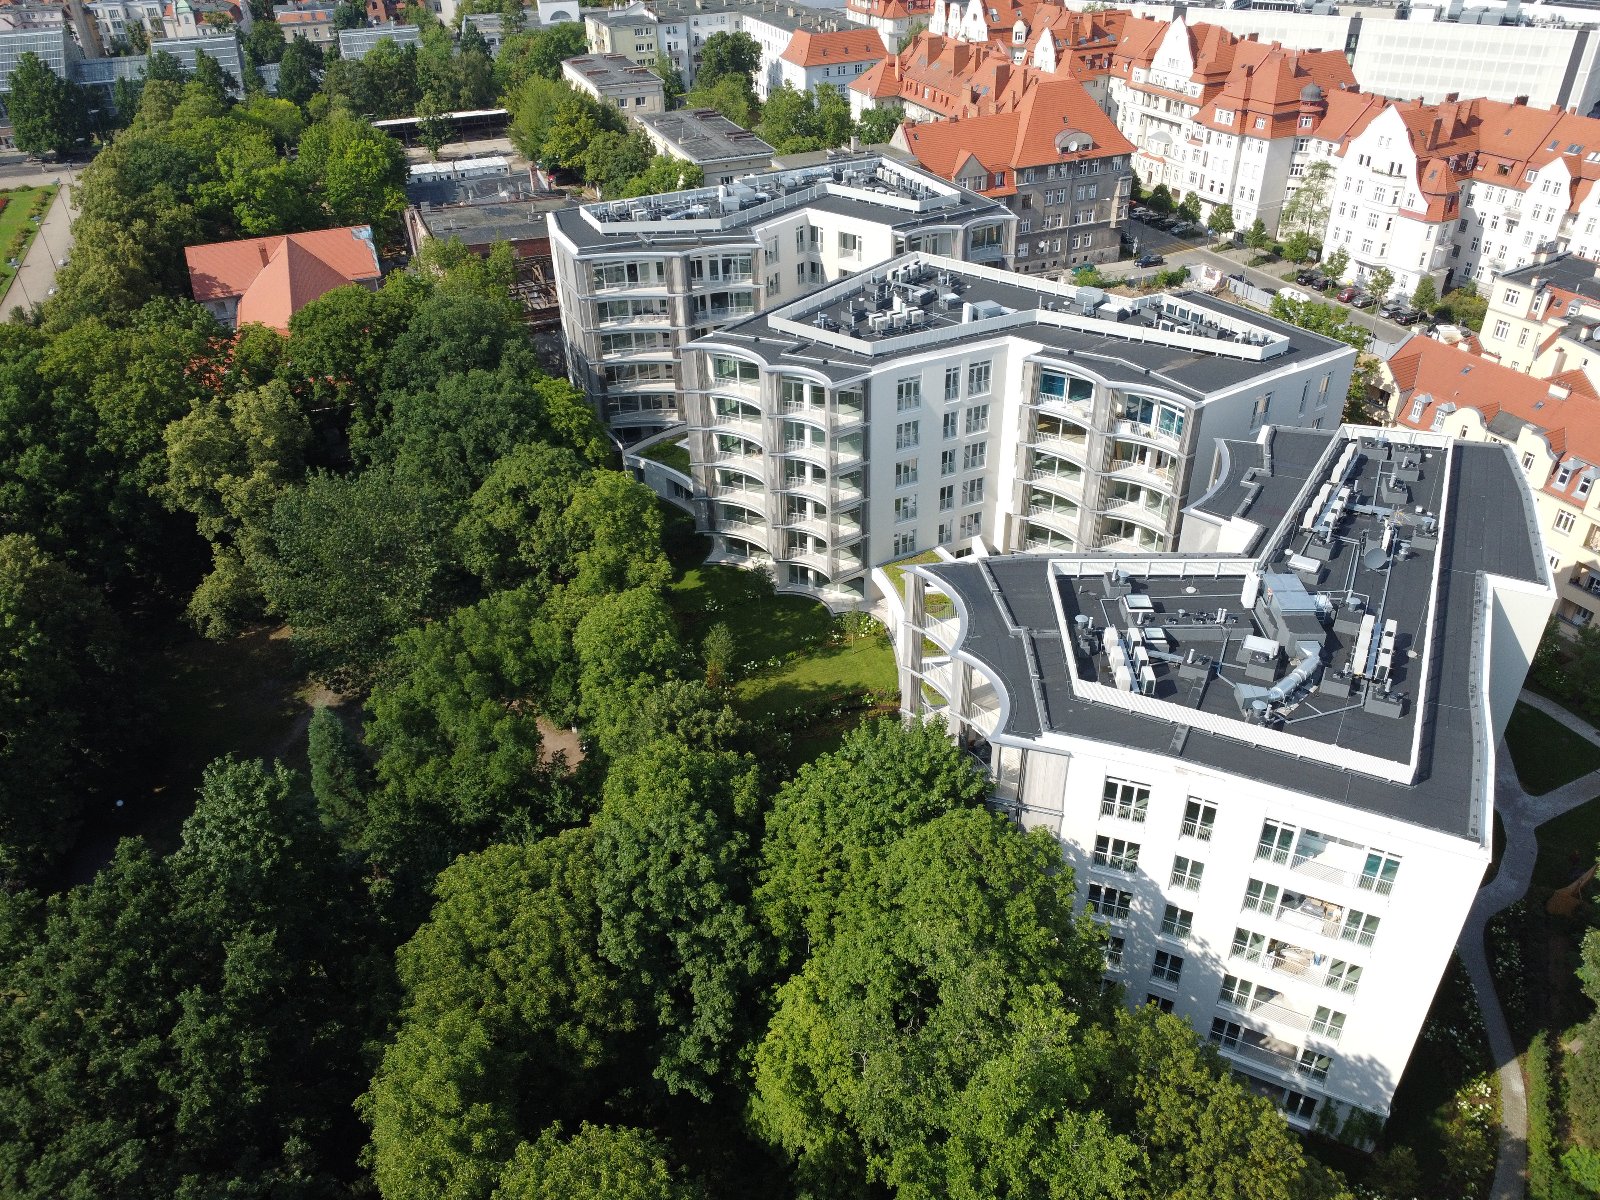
930 402
637 279
1270 755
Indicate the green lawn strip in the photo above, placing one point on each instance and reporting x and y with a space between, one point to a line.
24 202
1547 754
1576 831
897 569
826 673
672 454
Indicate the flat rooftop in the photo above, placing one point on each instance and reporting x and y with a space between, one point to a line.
704 136
1337 658
1190 342
612 71
1565 271
873 185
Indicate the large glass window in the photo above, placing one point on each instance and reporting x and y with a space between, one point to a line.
726 369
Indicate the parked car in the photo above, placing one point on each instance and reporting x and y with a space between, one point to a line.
1183 229
1150 260
1238 276
1141 213
1363 300
1319 282
1347 294
1312 278
1404 315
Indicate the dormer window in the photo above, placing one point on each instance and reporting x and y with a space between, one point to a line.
1564 475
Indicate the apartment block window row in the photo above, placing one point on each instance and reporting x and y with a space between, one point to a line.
1299 963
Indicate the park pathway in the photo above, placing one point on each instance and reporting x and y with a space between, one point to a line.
36 278
1521 814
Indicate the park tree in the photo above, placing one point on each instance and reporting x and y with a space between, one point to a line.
665 174
1220 222
793 121
671 79
533 111
673 847
433 128
356 172
1161 199
596 1163
298 70
349 14
840 814
48 114
548 48
61 656
455 728
718 649
954 938
351 562
731 95
511 1018
1426 295
576 122
265 43
879 124
613 159
340 776
1307 209
1257 237
628 718
622 637
728 54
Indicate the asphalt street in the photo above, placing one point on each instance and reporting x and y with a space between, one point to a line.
1194 253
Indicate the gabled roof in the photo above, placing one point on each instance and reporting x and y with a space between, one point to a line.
856 44
274 277
1030 132
1568 415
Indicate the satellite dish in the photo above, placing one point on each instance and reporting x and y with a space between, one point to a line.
1375 559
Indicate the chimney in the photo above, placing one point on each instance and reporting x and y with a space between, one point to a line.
1433 133
1452 97
1520 100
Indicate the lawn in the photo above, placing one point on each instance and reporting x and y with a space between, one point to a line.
1574 833
16 230
795 667
895 570
1547 754
672 454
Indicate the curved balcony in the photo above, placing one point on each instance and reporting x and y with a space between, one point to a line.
1148 471
1061 518
745 426
1058 483
1151 434
1156 519
812 414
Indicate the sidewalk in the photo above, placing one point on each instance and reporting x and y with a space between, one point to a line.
1521 814
36 279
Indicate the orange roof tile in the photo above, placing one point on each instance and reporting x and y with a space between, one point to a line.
807 49
275 277
1568 415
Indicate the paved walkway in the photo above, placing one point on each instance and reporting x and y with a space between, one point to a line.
1521 815
34 282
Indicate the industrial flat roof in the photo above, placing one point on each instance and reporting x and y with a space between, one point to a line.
1400 740
612 71
874 185
704 136
1186 341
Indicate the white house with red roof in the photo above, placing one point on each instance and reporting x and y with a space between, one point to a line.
265 281
1553 427
834 57
891 18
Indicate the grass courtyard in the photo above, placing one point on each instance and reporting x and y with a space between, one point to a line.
1547 754
670 453
18 229
796 665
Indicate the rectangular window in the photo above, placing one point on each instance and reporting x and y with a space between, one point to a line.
1313 1064
1109 902
907 394
947 462
1564 521
904 543
1225 1033
1276 840
906 435
1247 945
1116 854
1186 873
1124 800
1199 818
1262 897
1299 1105
947 497
1168 968
978 417
974 456
1235 992
952 425
733 370
1328 1023
971 524
1359 928
972 491
1343 977
1176 922
1500 330
905 508
1379 873
978 379
849 245
952 384
1527 461
1114 949
1164 1003
905 473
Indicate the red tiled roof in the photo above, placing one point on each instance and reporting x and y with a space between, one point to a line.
807 49
1568 414
275 277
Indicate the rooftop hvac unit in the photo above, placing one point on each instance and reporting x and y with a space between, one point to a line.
916 318
878 322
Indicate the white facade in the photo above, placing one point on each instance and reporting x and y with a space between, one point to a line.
979 430
1297 919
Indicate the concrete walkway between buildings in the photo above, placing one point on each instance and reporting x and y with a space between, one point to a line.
1521 814
36 278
